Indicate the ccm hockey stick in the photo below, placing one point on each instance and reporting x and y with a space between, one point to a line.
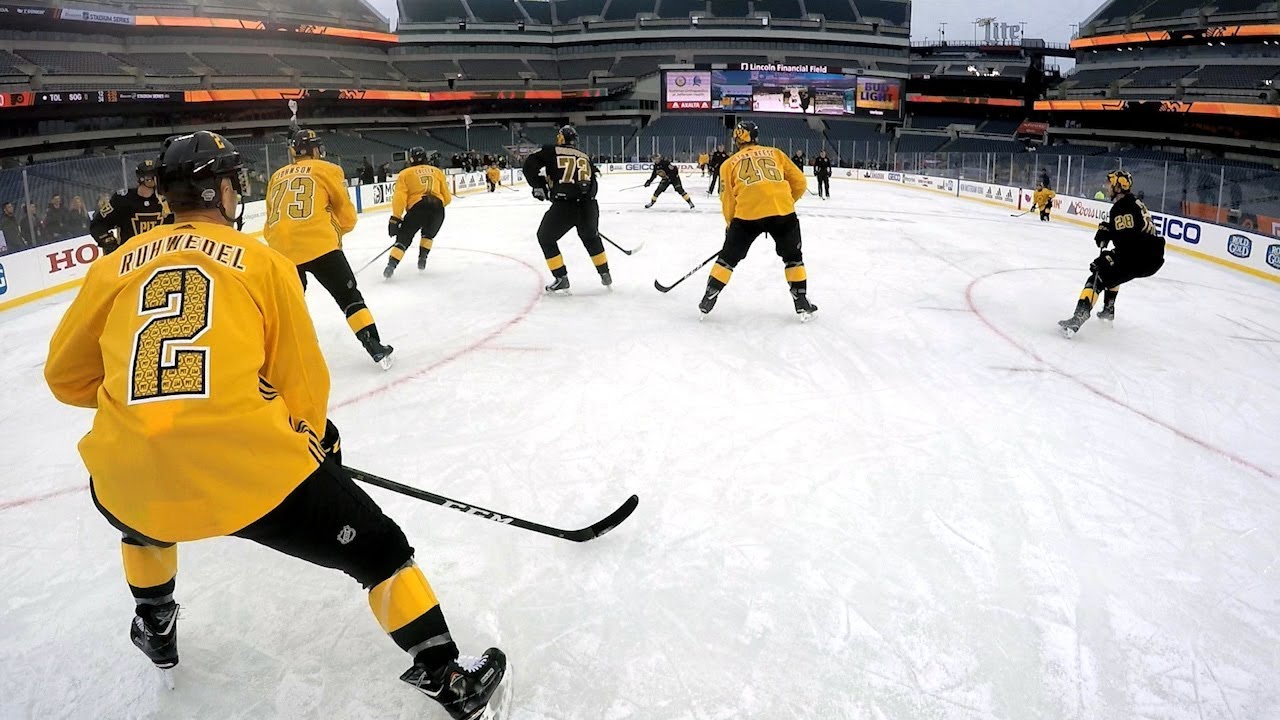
667 288
590 532
625 251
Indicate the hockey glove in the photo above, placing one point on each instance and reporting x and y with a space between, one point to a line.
107 243
1103 236
393 227
540 194
648 183
332 443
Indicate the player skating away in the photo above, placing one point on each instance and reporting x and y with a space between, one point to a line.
822 173
130 212
494 177
1043 200
308 212
670 174
565 175
194 345
1138 252
714 164
422 190
761 187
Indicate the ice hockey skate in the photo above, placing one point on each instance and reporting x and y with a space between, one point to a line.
559 286
468 688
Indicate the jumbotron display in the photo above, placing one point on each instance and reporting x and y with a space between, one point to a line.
776 88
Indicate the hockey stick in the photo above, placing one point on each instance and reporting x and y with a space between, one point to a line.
667 288
590 532
1021 214
375 259
633 187
625 251
816 195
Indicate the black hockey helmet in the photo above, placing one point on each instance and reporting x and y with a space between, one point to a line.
567 136
191 168
417 156
307 143
146 169
746 132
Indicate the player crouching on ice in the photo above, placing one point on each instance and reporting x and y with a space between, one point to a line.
1138 252
670 174
194 345
1043 200
761 187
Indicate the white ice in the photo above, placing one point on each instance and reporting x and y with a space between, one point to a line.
923 504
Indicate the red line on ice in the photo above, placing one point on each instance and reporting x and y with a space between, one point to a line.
533 301
973 306
477 345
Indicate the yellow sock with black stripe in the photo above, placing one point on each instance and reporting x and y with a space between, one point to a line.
397 254
556 265
150 571
601 261
1089 295
407 609
721 274
424 246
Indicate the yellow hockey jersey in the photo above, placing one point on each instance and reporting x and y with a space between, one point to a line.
758 182
194 344
703 159
416 182
1043 198
494 175
308 210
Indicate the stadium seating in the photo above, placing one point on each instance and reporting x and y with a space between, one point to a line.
1241 77
1000 127
496 11
368 68
636 66
433 10
775 127
491 69
853 131
1087 77
696 126
965 144
1167 76
840 10
894 12
781 9
539 11
677 9
582 68
568 11
545 69
313 65
427 69
910 142
628 9
940 122
73 62
165 64
730 8
241 64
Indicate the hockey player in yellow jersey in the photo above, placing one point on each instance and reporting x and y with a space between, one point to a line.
493 176
193 345
308 212
421 195
760 187
1043 200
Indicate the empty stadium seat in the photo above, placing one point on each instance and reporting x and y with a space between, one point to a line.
546 69
781 9
73 63
568 11
1242 77
539 11
313 65
241 64
637 66
368 68
174 64
680 9
491 69
582 68
894 12
1098 77
427 69
1157 76
909 142
731 8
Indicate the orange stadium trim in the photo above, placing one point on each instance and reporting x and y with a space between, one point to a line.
1168 106
996 102
1142 38
233 24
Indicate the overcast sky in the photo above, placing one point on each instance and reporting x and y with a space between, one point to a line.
1049 20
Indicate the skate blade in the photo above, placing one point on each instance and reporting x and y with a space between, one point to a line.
806 317
560 293
1067 332
499 707
166 676
387 362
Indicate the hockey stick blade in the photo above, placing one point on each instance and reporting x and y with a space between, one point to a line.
591 532
667 288
625 251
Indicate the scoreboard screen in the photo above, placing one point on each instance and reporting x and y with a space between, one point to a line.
780 88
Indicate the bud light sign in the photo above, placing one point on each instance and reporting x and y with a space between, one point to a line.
1240 246
1273 257
1173 228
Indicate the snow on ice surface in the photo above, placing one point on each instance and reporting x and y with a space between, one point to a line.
923 504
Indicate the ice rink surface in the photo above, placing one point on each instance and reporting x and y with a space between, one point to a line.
923 504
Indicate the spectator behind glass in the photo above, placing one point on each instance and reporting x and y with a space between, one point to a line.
33 226
77 218
57 219
14 239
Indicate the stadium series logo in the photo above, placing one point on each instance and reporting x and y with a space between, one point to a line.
1240 246
1273 258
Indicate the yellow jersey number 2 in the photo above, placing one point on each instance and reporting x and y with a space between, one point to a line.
165 365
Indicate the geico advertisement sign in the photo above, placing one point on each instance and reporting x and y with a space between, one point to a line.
1177 229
